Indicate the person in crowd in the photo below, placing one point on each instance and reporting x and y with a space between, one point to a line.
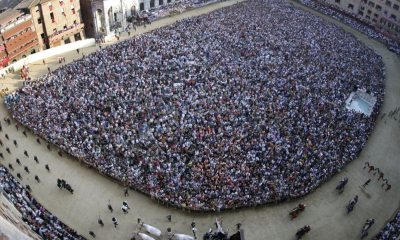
110 208
35 215
91 233
366 183
115 222
352 20
391 230
100 222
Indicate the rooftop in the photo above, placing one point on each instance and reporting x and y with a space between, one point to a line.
9 3
9 16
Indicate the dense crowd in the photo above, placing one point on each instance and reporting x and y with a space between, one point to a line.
35 215
354 21
238 107
391 231
174 8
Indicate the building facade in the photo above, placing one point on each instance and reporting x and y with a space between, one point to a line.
57 22
102 17
108 15
18 36
383 15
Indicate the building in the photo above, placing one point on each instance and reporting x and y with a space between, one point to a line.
12 225
102 17
57 22
18 36
383 15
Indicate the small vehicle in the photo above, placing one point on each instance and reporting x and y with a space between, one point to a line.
351 204
297 210
341 185
302 231
368 224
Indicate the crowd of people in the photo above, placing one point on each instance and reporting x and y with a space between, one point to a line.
391 231
174 8
238 107
354 21
35 215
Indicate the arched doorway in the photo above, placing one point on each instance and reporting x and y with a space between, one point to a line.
133 10
110 14
100 20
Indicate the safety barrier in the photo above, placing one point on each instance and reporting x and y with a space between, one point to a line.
48 53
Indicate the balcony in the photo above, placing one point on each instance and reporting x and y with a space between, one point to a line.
19 29
20 40
23 48
59 35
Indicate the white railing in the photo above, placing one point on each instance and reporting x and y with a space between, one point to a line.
49 53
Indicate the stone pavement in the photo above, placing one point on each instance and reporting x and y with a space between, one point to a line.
325 211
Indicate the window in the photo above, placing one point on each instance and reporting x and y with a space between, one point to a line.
369 12
388 3
141 6
42 35
374 20
152 4
78 37
52 17
376 15
337 1
168 1
362 8
360 13
393 16
39 20
73 9
396 7
160 2
367 17
378 7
